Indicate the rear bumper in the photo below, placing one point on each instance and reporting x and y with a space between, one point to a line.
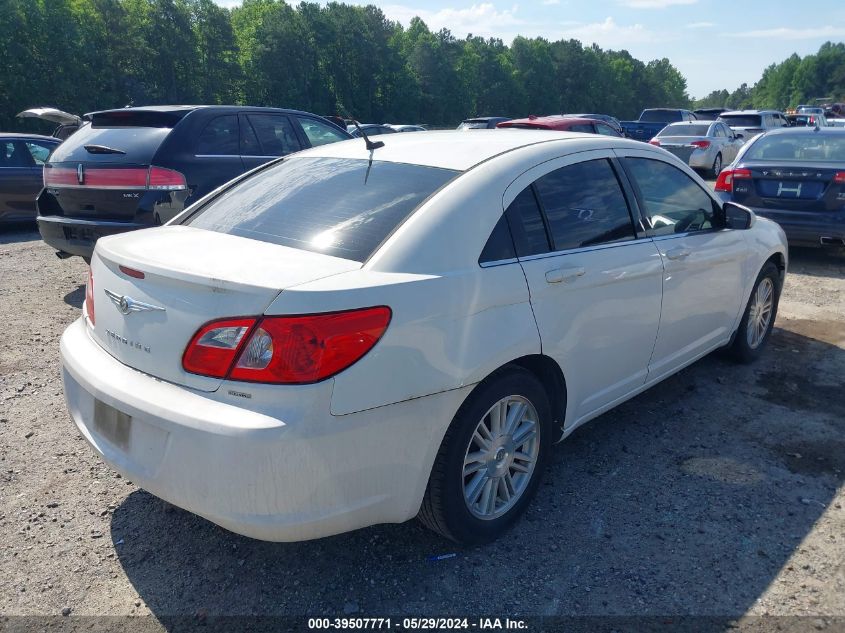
78 237
295 474
811 229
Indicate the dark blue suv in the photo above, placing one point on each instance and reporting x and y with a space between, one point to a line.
139 167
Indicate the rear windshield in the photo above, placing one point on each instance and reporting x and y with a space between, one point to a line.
803 147
137 118
658 116
742 120
338 206
685 130
473 125
138 144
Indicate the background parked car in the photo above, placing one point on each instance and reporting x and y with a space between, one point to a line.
561 123
749 123
137 167
795 176
68 123
709 114
653 120
806 119
482 122
703 145
407 128
370 129
606 118
22 158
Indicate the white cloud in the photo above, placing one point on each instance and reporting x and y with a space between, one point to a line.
479 19
654 4
608 34
700 25
785 33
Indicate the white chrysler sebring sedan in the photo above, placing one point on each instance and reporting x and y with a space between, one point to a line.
350 336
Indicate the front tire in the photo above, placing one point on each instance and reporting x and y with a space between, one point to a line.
716 168
759 317
491 460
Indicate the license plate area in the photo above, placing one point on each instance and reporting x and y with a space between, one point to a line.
113 425
78 234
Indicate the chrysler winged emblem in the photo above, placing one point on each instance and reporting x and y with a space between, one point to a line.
128 305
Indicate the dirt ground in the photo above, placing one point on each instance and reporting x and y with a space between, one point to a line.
718 492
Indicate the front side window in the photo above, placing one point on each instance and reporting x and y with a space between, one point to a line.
671 201
320 133
584 205
606 130
338 206
15 154
220 137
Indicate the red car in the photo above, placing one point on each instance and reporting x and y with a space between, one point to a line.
564 124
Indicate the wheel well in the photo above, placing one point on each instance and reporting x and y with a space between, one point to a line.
778 260
548 372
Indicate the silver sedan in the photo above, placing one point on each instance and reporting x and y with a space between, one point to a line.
703 145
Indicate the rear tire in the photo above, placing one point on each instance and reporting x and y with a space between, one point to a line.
759 316
491 459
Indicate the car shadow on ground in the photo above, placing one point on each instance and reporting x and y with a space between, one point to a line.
819 262
75 297
11 233
689 499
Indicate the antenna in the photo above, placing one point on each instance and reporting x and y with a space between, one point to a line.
370 144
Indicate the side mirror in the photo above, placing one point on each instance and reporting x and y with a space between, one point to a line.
738 135
737 216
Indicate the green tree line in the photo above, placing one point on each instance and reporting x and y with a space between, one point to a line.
84 55
793 81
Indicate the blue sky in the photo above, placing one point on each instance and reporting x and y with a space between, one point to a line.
714 44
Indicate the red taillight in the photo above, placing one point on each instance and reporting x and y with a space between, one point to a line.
166 179
725 181
215 346
839 177
131 272
701 144
157 178
114 178
654 141
89 296
285 349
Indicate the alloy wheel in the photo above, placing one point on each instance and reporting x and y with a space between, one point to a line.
760 313
500 457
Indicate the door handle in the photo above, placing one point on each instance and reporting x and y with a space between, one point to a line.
556 275
678 253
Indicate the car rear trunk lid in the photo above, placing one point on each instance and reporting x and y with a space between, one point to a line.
190 277
804 188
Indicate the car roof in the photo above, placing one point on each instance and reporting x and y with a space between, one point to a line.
750 112
456 150
551 122
190 108
805 131
38 137
484 118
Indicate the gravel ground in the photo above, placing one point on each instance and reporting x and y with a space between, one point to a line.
718 492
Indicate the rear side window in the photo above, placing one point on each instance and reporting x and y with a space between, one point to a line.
319 133
671 200
337 206
219 137
275 133
499 245
606 130
581 127
743 120
527 225
584 205
39 151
